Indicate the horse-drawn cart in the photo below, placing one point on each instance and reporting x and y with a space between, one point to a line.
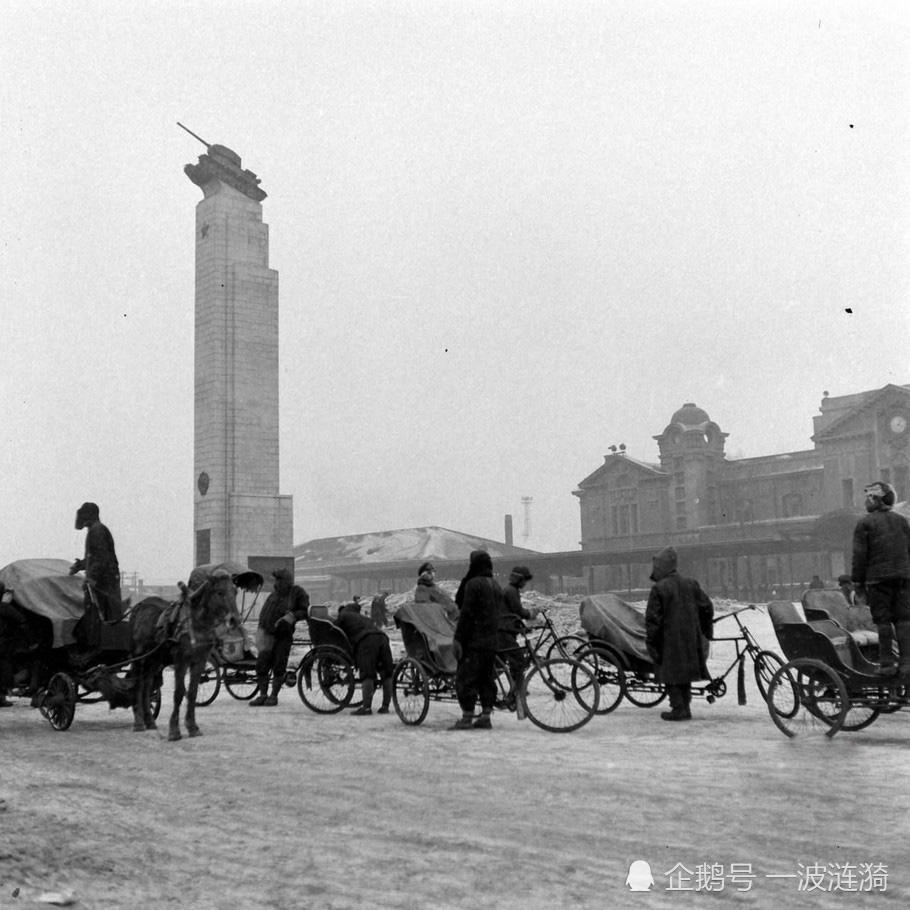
70 652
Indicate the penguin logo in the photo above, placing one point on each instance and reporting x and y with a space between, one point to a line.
639 877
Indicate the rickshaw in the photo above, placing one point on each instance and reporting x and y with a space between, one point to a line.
827 684
624 668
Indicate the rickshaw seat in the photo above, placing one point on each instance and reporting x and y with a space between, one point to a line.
325 634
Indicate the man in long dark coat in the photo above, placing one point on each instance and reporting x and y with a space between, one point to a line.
476 641
678 625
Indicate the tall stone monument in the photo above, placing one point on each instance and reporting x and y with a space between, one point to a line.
239 514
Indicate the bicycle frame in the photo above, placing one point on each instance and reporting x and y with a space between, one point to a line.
746 645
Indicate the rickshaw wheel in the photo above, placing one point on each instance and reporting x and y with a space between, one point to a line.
59 703
209 684
240 682
644 693
560 695
807 697
608 673
326 680
410 691
859 716
567 646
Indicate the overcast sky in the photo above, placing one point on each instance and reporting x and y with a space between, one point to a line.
508 235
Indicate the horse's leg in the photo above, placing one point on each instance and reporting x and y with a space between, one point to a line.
196 666
179 691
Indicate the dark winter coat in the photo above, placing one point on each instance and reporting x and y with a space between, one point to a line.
678 623
101 566
296 601
881 547
512 614
478 621
356 626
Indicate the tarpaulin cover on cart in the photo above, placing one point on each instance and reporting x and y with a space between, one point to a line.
607 617
430 620
45 588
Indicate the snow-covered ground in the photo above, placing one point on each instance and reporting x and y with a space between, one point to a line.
281 808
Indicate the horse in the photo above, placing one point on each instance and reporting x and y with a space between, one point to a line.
181 635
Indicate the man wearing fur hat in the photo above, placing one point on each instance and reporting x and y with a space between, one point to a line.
678 625
881 574
102 571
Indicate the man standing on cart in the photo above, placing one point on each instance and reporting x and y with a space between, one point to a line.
881 573
678 625
102 574
287 604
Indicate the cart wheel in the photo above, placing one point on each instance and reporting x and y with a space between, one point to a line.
608 673
807 697
155 701
209 684
410 691
560 695
239 681
766 664
59 702
643 690
567 646
325 680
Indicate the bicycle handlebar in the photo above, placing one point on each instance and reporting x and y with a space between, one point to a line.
734 613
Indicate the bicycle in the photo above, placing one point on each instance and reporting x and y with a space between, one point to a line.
558 694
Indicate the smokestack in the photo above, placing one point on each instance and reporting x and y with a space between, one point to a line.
509 530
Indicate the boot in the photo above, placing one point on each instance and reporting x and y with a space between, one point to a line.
272 700
903 645
886 664
386 696
263 690
367 688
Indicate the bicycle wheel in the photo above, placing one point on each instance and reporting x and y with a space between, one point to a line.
567 646
209 684
560 695
410 692
325 681
58 706
608 673
765 665
643 689
240 681
807 697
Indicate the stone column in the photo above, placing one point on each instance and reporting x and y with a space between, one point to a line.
239 512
